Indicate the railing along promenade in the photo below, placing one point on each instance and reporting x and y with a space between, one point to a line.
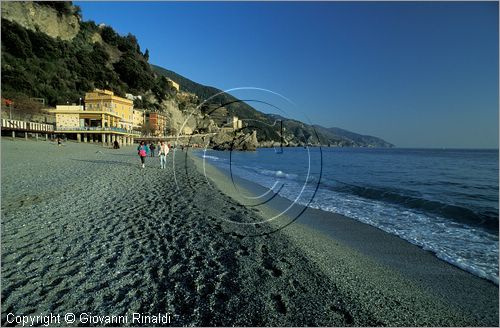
26 126
96 129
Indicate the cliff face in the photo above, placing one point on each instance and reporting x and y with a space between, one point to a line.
35 17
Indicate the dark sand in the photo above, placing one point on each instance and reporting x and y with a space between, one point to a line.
473 296
84 229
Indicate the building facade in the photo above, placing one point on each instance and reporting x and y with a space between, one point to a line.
104 118
234 122
173 84
106 101
157 123
138 118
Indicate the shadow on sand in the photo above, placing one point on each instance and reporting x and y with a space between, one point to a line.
127 155
97 161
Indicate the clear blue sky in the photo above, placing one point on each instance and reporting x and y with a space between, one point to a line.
417 74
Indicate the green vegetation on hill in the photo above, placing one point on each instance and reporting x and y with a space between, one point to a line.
37 65
62 7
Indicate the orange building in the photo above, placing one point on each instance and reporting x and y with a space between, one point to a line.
157 122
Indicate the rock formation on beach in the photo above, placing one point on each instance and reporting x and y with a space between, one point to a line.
235 141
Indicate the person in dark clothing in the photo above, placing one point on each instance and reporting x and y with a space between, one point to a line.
152 148
116 145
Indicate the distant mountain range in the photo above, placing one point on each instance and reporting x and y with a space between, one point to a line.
354 137
295 131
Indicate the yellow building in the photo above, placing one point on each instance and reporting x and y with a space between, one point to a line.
173 84
105 118
234 122
138 118
105 100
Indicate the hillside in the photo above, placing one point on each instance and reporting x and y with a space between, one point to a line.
353 138
296 132
49 53
63 64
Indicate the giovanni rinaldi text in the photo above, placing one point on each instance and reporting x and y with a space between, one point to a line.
88 318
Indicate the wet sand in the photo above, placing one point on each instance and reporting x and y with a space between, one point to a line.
84 229
327 232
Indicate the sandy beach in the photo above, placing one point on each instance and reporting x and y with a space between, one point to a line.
85 230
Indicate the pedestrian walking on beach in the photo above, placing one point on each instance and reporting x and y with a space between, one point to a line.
152 148
141 151
162 153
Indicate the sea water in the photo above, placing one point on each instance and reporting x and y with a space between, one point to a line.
445 201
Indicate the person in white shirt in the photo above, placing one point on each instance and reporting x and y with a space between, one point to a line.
162 153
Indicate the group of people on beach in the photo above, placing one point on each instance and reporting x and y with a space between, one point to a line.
163 149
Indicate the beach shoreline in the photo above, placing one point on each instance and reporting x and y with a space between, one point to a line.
86 230
472 294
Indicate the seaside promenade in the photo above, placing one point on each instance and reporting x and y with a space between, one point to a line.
85 230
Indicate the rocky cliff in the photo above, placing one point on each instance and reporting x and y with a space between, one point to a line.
43 18
236 140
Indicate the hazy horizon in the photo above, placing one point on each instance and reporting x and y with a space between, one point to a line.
416 74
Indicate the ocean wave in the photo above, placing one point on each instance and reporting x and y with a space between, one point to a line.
272 173
213 158
486 219
473 250
464 237
278 174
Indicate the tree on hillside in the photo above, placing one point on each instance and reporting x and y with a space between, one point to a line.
134 73
62 7
99 54
128 44
146 129
15 40
26 108
161 89
109 35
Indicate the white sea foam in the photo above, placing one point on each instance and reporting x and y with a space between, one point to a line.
270 173
471 249
213 158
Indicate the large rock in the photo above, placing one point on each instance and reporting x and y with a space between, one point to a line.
250 142
35 17
235 141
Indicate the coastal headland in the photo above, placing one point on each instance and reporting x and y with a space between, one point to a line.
85 230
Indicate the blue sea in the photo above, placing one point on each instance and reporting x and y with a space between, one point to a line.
445 201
